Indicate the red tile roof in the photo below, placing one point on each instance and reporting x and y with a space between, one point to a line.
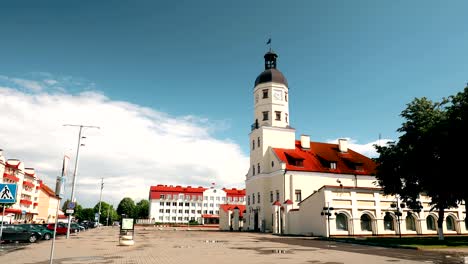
47 190
277 203
288 202
231 207
319 156
234 192
156 191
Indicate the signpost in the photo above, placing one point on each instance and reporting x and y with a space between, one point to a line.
127 231
7 196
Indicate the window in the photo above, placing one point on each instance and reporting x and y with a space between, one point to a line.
229 199
169 196
212 198
333 165
186 211
217 198
180 211
248 200
366 223
185 218
211 205
223 198
236 199
271 196
168 203
253 170
388 222
193 211
206 198
161 218
278 115
341 222
258 142
430 223
173 218
410 224
286 97
450 223
162 196
174 211
198 211
187 197
258 168
272 164
211 212
193 204
298 195
277 195
217 212
161 210
179 218
258 197
161 203
265 115
205 211
187 204
181 204
253 144
265 93
286 117
253 198
205 205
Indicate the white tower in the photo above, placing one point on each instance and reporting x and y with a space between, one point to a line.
271 114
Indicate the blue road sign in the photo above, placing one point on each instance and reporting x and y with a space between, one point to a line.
7 193
71 205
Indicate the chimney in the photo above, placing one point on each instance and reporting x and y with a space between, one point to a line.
343 144
305 141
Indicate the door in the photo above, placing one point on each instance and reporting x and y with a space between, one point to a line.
255 220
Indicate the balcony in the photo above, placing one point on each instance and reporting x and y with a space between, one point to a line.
10 177
25 202
28 184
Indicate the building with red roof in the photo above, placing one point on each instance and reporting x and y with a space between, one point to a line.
179 204
13 171
283 168
298 186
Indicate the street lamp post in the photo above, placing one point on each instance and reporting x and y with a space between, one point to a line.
100 199
72 197
326 211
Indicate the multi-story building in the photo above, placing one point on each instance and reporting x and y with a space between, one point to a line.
177 204
47 208
283 171
13 171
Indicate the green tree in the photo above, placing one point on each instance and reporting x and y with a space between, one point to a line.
127 207
85 214
415 164
106 210
142 209
457 122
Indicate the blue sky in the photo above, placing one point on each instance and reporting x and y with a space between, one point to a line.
352 66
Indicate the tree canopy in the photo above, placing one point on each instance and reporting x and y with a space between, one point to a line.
127 207
422 161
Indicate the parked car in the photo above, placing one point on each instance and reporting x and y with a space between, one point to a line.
19 233
46 233
75 226
61 228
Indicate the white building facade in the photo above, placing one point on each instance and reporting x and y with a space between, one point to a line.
177 204
27 192
284 170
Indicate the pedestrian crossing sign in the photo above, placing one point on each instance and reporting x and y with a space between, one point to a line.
7 193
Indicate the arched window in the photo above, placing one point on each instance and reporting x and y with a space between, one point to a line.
430 223
450 223
410 224
341 222
389 222
366 223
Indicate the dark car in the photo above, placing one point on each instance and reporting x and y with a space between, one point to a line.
75 226
46 233
19 233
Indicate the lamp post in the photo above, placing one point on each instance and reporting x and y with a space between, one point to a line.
100 199
72 197
326 211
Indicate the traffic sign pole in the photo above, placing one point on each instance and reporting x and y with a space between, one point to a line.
1 228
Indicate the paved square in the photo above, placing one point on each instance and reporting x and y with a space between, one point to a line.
169 246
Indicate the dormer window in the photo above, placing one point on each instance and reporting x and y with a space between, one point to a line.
333 165
294 159
265 93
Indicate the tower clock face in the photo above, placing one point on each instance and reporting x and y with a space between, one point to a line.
278 95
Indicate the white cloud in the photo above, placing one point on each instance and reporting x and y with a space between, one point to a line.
135 148
366 149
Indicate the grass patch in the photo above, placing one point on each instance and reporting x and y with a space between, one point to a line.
417 242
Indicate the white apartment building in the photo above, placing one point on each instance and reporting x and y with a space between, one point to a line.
14 172
177 204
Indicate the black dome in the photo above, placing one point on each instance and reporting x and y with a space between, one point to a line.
271 75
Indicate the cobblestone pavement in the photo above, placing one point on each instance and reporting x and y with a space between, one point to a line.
169 246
